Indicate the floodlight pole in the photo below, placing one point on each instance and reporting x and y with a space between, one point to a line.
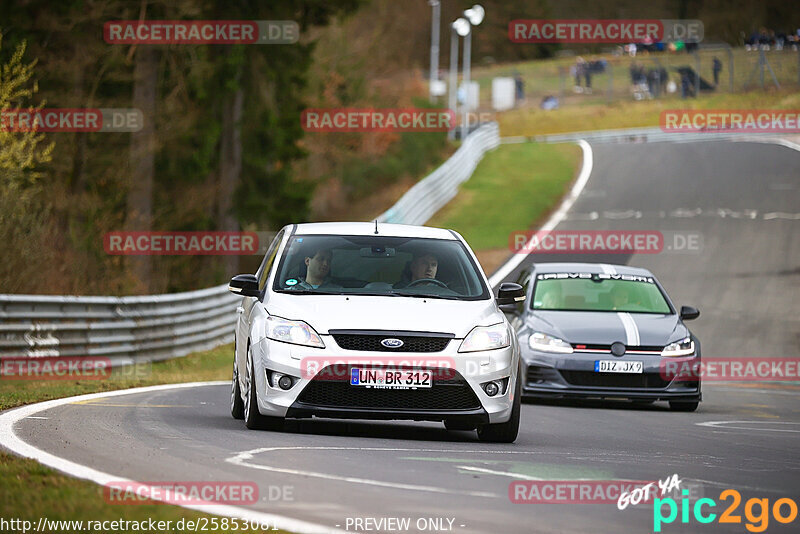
465 83
452 102
437 7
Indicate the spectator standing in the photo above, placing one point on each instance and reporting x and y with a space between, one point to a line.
717 67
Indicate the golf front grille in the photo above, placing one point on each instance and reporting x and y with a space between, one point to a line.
615 380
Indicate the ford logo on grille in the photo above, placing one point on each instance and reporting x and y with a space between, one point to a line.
392 343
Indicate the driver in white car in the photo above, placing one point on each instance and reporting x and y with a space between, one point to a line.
422 267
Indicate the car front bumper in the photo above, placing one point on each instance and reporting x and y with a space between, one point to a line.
574 376
456 397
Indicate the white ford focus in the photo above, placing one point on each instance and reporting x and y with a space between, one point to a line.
375 321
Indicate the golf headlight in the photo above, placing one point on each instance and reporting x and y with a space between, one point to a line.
545 343
486 338
296 332
684 347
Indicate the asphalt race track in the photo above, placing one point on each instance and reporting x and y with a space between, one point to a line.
743 199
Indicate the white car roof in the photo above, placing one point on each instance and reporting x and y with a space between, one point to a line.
368 228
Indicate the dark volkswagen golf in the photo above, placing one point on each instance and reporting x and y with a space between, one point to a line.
592 330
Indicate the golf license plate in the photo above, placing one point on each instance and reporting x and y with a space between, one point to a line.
390 379
617 366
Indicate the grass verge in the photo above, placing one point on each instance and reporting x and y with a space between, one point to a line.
631 114
513 188
31 490
211 365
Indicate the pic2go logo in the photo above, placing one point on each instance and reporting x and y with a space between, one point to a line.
757 522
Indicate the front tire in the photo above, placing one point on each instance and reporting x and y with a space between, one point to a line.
678 406
252 417
237 404
504 432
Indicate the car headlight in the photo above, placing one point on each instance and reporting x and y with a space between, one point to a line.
544 343
486 338
684 347
296 332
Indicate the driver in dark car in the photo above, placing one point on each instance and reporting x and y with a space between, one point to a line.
422 267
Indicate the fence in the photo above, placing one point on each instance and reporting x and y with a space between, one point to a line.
124 329
431 193
158 327
616 76
633 135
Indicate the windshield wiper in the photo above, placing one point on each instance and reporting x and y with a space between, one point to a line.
311 292
423 295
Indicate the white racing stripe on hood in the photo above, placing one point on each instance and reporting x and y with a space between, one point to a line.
631 330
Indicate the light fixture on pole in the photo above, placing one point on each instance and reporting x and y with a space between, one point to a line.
458 28
475 16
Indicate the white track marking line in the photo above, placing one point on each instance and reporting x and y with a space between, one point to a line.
242 459
776 141
557 217
781 215
10 440
729 387
719 425
730 485
517 476
248 454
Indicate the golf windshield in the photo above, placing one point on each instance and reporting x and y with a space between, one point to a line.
593 292
377 265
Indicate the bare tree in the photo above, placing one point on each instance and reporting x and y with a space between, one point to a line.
142 155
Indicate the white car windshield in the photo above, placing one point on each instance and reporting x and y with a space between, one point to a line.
378 265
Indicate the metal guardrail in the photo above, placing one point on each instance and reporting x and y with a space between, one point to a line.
431 193
150 328
123 329
632 135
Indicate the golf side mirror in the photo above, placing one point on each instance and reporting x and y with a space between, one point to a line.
688 313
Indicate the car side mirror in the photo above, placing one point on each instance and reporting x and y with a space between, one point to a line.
245 285
510 293
688 313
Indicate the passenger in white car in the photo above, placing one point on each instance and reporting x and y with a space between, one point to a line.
318 270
